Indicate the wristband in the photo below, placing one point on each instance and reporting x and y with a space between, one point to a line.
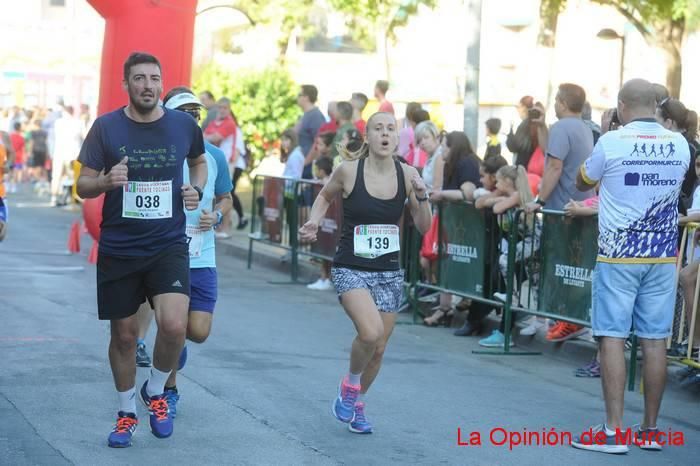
422 199
199 191
219 218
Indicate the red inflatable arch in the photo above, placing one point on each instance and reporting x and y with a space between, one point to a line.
164 28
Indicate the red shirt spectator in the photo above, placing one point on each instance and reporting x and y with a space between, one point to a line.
225 129
330 127
361 125
17 141
386 106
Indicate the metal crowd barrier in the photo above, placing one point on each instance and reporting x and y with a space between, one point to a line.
466 262
680 343
274 217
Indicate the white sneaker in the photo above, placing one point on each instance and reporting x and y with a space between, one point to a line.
533 326
320 285
515 301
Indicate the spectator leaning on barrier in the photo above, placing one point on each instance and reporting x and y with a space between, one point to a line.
634 279
569 143
428 140
512 192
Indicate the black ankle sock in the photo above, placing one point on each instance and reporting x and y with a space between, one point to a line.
173 388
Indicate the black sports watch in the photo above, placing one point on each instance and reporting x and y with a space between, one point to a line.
540 201
199 191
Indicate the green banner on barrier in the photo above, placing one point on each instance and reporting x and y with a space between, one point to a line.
569 249
463 248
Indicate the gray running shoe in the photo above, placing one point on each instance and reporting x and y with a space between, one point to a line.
142 357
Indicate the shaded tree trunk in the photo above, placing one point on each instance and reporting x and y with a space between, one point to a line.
670 36
674 68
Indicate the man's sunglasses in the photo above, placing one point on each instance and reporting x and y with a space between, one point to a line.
193 112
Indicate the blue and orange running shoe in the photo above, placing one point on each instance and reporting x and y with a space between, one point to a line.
359 423
172 397
344 405
123 430
160 420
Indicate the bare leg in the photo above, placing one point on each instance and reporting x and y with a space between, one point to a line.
171 317
688 278
370 373
654 371
122 352
198 329
361 309
144 316
612 366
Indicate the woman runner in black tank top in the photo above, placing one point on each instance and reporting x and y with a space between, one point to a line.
360 209
366 271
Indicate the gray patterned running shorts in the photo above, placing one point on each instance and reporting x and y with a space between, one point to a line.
385 287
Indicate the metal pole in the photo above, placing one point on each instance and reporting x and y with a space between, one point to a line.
471 83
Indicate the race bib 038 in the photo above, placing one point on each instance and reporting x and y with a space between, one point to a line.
148 200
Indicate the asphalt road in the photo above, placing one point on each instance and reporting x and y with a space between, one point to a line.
259 390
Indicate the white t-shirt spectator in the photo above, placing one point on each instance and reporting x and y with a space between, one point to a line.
640 168
295 164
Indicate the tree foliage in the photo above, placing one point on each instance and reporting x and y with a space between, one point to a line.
367 17
662 23
264 102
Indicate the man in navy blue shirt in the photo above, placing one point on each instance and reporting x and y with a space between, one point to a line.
134 155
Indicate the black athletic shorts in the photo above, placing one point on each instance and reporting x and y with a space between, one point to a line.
123 283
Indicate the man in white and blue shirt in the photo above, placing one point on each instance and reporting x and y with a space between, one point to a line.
214 204
640 168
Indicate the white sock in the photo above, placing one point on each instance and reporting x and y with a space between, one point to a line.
127 400
608 432
156 383
354 379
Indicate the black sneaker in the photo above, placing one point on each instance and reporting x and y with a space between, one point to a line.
142 358
591 440
242 224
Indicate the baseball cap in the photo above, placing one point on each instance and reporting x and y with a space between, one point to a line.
182 99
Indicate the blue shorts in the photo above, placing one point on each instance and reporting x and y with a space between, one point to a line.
642 296
203 289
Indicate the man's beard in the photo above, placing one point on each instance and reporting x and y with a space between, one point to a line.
141 108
